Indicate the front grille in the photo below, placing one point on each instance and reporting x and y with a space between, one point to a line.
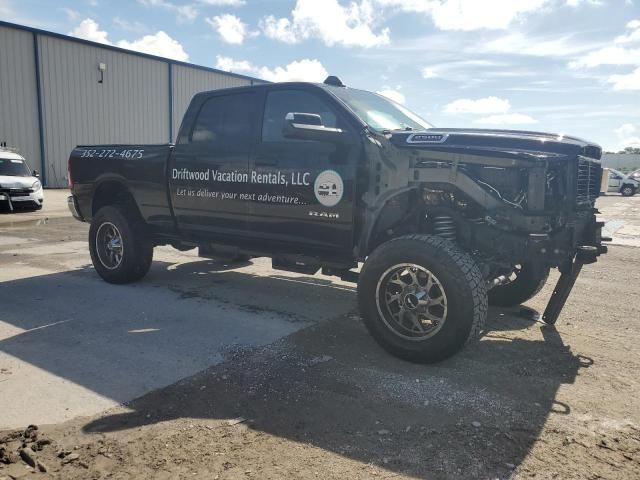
588 181
17 192
592 151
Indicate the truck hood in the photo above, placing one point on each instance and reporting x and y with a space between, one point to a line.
7 181
481 141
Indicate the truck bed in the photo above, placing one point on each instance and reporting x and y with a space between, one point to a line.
100 171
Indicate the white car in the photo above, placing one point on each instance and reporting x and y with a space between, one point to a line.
19 185
618 182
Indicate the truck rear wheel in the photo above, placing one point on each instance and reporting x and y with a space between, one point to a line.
530 278
121 251
422 298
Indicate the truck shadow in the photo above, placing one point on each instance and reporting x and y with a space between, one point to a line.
329 385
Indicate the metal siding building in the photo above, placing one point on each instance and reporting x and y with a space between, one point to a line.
18 98
621 160
51 97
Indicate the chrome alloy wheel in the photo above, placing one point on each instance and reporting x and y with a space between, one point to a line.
109 246
411 301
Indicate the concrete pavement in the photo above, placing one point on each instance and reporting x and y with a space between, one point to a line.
55 206
71 344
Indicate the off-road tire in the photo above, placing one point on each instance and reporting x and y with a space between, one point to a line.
462 282
628 191
137 252
527 284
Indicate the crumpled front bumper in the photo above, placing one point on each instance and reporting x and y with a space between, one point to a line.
21 198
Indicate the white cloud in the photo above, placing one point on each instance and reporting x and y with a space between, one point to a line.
519 44
279 29
329 21
628 135
393 95
625 50
507 119
481 106
612 55
185 13
131 25
577 3
5 9
229 64
223 3
159 44
72 15
633 35
305 70
468 14
630 81
474 15
496 111
230 28
428 73
90 30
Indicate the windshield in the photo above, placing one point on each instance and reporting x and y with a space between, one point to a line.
379 112
14 168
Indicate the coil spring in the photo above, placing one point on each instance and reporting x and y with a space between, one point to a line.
445 227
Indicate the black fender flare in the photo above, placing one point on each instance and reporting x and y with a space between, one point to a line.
372 215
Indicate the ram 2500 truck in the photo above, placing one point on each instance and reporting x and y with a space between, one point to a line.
322 177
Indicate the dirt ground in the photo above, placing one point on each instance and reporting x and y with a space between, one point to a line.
527 401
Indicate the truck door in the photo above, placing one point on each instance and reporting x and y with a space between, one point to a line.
303 190
211 162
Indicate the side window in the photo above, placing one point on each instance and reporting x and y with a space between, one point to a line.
225 120
281 102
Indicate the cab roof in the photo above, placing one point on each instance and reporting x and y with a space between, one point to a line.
330 83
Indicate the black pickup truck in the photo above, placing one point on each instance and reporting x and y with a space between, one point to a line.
322 177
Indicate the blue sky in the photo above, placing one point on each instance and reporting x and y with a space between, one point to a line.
566 66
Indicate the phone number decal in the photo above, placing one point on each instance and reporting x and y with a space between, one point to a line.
112 153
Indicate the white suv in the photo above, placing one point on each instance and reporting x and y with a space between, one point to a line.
19 185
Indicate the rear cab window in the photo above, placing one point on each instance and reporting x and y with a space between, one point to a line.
225 120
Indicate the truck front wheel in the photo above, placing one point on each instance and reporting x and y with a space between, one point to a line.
530 278
121 251
422 298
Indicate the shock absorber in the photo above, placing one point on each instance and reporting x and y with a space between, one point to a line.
445 226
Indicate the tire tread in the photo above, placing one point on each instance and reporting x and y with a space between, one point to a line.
471 278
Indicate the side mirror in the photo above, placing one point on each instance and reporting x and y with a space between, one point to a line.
36 174
308 126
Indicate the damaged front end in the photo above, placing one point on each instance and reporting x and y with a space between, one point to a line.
506 197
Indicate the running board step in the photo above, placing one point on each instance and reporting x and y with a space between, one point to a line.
292 265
